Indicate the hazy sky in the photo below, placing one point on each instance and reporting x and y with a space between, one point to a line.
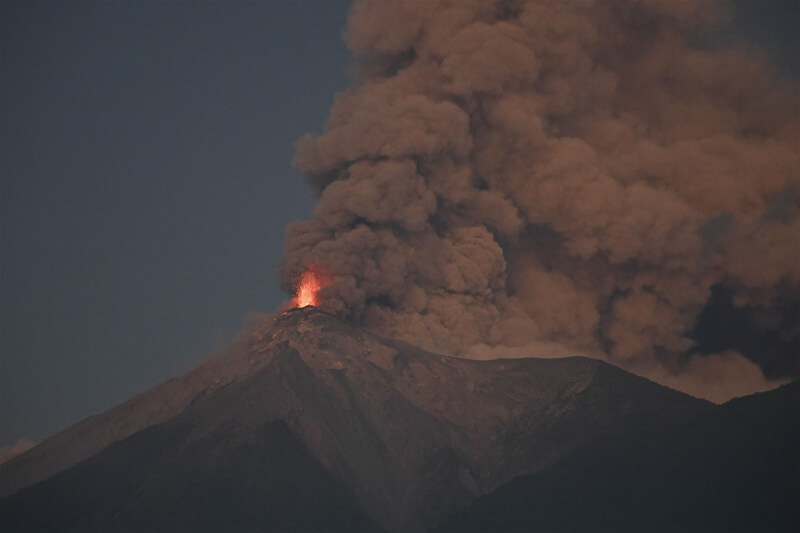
147 181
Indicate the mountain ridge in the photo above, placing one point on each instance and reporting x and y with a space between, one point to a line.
733 468
415 436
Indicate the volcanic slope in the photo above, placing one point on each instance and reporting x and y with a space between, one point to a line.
735 468
411 436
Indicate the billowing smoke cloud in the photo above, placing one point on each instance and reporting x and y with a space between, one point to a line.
558 176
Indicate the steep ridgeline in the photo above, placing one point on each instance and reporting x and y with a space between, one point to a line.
734 468
360 432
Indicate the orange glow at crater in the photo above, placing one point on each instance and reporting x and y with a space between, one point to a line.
307 290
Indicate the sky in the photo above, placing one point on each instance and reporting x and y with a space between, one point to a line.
147 182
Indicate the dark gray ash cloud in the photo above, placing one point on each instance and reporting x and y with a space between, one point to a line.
549 177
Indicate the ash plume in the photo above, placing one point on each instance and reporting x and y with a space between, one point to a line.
556 177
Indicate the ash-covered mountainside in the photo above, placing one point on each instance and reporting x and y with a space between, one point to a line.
356 429
734 468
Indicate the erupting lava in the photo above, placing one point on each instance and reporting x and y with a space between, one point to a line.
310 284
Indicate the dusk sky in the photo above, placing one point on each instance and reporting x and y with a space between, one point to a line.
147 182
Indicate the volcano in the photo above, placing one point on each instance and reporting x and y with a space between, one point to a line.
310 423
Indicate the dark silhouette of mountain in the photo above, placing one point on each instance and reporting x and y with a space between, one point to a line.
735 468
312 424
164 479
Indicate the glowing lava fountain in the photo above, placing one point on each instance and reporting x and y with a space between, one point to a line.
308 288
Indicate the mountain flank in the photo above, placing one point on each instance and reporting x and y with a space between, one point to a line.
311 423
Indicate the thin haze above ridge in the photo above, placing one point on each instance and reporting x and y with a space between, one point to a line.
546 178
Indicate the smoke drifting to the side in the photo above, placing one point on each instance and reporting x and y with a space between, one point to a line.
558 176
